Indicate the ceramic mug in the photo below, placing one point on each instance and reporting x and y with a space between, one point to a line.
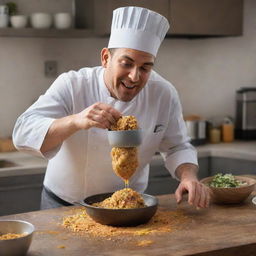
62 20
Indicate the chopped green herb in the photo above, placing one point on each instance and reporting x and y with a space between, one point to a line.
225 181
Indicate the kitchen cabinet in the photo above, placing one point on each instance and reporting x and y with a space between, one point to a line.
160 180
20 193
27 7
103 11
206 17
186 17
234 166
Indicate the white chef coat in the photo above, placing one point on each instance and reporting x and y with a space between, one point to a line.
81 166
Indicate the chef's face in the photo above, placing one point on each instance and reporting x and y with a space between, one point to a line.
126 71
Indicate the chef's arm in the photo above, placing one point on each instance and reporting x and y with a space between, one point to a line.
187 171
59 130
198 194
97 115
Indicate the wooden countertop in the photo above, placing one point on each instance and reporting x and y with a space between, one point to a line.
220 230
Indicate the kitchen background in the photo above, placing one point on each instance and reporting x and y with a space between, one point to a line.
205 71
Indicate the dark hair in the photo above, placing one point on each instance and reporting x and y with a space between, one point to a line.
112 51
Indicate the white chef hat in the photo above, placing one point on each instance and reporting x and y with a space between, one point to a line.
137 28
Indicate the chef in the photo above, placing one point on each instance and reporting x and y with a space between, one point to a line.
68 124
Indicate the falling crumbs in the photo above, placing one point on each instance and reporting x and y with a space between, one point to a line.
163 221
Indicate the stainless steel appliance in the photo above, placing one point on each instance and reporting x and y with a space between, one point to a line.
197 131
246 113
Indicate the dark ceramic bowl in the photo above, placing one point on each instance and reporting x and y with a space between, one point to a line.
126 138
120 217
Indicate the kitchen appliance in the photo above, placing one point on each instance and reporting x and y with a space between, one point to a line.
197 130
246 113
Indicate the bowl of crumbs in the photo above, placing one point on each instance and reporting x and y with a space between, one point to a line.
125 133
228 188
15 237
124 207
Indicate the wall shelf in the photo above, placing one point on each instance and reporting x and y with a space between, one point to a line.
46 33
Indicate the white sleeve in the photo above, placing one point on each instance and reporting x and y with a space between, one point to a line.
175 146
32 126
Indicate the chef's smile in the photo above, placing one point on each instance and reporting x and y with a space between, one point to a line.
128 86
126 71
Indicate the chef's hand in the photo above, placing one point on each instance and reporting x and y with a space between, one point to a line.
98 115
198 193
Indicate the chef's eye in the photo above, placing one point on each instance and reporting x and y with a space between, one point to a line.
145 69
126 65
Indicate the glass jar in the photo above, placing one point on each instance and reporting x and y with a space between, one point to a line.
227 129
215 135
4 16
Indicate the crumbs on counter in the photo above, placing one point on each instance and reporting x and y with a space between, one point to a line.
61 246
163 221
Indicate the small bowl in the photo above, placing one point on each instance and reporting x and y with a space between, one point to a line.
126 138
17 246
62 20
231 195
41 20
19 21
119 217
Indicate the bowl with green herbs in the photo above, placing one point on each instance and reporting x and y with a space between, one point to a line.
228 188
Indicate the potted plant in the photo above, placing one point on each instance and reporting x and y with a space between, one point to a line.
12 7
16 20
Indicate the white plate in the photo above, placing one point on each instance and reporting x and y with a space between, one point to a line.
254 200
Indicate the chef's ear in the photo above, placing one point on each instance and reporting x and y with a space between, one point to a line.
105 57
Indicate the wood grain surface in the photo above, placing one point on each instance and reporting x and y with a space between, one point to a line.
220 230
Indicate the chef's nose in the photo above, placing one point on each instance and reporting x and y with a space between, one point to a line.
134 74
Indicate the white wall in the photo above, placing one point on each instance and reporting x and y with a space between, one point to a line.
206 72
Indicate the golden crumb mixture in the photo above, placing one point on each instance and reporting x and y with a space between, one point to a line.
126 198
124 161
163 221
125 123
11 236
